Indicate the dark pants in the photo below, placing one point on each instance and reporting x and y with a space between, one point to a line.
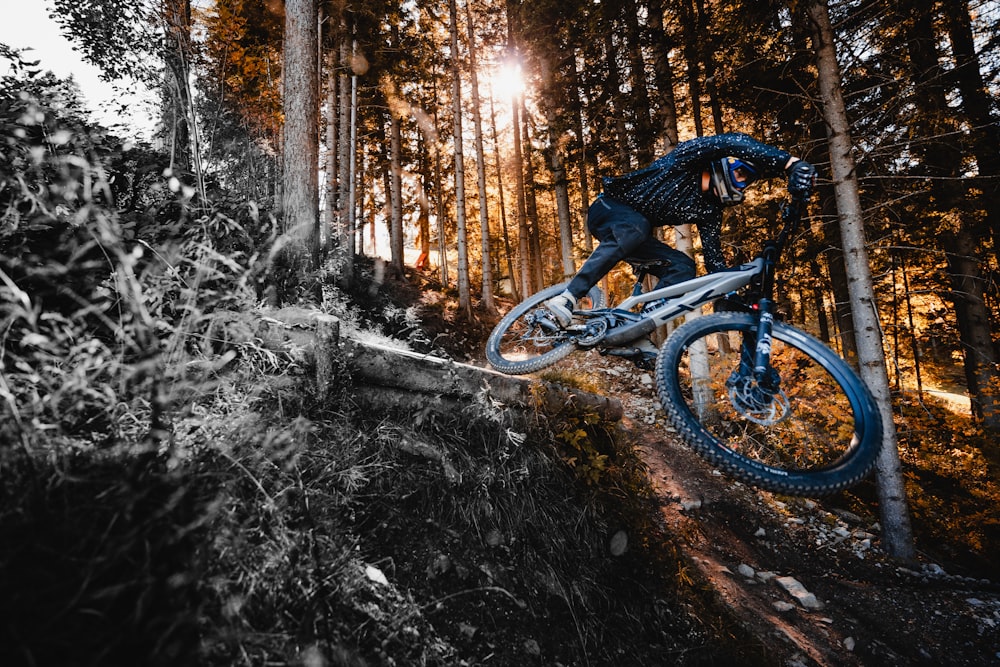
625 234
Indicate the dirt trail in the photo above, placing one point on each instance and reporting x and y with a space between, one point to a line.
856 607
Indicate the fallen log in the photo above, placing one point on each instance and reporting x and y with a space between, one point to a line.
374 365
412 371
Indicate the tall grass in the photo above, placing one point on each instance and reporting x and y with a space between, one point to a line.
174 493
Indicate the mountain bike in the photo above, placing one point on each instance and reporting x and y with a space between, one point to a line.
762 400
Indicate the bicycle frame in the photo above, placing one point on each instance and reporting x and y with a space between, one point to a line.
682 298
685 297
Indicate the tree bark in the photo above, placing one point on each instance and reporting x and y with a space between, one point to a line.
301 168
345 235
891 489
176 56
664 76
395 193
332 116
531 201
489 305
582 162
644 146
464 292
941 158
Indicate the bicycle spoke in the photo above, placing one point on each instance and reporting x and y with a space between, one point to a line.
807 423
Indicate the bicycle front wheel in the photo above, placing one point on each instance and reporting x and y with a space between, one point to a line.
809 428
528 338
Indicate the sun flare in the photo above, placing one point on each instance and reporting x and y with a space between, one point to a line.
507 81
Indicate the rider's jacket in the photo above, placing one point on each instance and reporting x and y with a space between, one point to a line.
668 191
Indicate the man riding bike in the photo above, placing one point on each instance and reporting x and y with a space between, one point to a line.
691 184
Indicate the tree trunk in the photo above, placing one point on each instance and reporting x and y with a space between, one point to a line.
395 194
511 273
705 54
664 76
582 165
301 170
345 235
617 107
331 149
464 295
176 56
523 252
551 104
977 107
531 201
941 158
561 186
644 136
692 38
489 305
891 489
440 209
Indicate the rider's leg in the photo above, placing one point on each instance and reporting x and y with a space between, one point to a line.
676 266
620 230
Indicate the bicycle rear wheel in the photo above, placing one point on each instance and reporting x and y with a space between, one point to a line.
814 429
528 338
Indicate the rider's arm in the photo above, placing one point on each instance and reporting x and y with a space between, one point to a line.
701 151
710 231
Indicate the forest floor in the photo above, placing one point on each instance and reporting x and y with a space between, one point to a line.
807 578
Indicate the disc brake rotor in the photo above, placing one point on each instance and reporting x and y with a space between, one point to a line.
759 405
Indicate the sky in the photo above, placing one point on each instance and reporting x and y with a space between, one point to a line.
26 23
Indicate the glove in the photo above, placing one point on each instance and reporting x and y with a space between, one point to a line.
801 178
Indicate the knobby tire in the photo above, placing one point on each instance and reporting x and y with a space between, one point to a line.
518 346
829 433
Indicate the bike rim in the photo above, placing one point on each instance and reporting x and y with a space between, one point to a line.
530 336
809 424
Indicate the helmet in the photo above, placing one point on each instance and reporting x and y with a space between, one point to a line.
729 176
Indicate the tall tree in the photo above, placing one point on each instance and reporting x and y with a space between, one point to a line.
965 242
464 295
663 75
640 105
891 489
301 170
484 209
345 247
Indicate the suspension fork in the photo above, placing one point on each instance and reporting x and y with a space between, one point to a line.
765 307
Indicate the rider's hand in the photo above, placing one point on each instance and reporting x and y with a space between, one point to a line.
801 178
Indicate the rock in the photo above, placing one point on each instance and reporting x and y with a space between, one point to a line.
849 643
375 575
799 592
746 571
849 517
688 505
781 606
440 565
619 543
531 647
760 533
766 576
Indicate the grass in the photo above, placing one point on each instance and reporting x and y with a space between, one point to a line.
255 537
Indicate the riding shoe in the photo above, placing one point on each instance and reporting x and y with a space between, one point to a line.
561 306
647 347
